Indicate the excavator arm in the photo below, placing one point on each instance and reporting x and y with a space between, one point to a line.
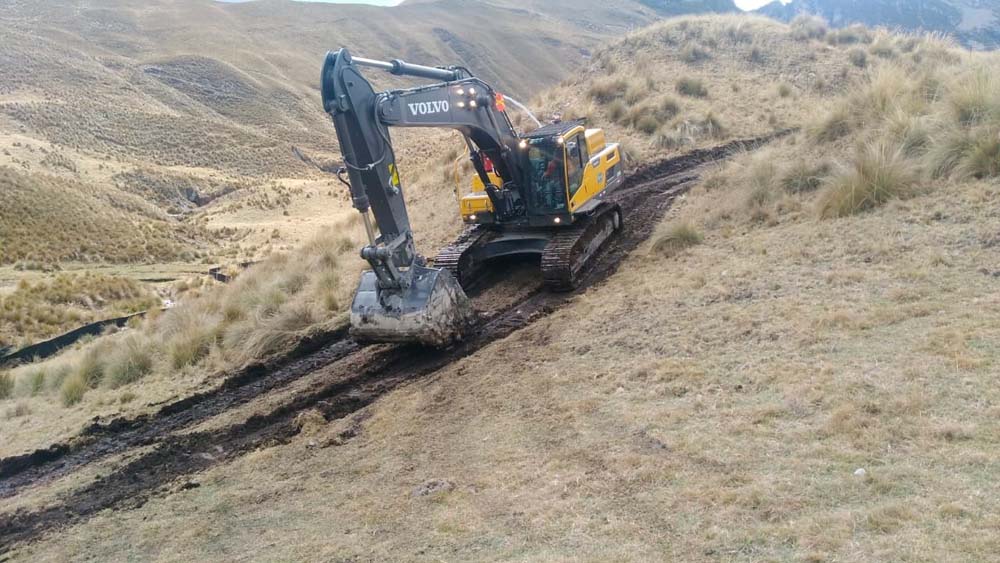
401 299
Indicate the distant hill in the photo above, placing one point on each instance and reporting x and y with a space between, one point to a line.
180 102
975 23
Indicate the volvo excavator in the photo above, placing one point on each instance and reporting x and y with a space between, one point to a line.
541 193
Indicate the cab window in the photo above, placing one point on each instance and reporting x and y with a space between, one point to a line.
576 151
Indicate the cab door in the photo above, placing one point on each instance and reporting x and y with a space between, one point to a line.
576 160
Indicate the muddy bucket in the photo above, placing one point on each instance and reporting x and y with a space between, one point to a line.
433 311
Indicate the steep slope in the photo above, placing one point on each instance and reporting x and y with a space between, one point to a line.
974 22
765 380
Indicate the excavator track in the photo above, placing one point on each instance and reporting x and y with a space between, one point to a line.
457 260
569 251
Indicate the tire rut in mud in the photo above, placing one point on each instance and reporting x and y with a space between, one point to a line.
356 379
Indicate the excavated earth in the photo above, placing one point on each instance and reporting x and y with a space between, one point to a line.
353 376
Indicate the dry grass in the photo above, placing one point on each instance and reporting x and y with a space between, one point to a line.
265 311
716 404
879 173
676 238
41 309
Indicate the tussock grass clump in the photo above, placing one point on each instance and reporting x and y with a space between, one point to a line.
90 368
803 176
73 389
836 124
850 35
676 238
6 385
694 54
805 27
692 87
975 99
131 360
879 172
616 110
604 91
858 57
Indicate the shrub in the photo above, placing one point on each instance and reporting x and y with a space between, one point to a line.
858 57
676 238
73 389
879 173
784 90
6 385
692 87
130 361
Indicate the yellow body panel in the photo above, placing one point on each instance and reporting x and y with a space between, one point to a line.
602 158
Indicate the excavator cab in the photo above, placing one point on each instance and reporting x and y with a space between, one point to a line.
570 169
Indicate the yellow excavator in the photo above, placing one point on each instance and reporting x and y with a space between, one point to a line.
540 193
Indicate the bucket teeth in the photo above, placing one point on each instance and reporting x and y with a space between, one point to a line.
433 310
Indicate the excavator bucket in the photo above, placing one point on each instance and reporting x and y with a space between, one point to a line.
433 310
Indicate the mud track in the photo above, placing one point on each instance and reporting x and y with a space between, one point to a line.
352 377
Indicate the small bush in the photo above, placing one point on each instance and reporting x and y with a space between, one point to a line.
692 87
757 55
879 173
6 385
73 389
784 90
675 239
858 57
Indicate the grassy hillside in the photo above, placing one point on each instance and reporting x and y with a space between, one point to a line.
180 102
973 22
799 365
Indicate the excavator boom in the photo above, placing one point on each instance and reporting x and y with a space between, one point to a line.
401 299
